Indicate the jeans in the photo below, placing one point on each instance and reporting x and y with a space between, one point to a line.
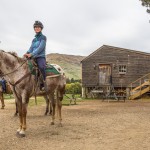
41 62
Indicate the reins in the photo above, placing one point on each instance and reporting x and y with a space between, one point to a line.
18 81
22 78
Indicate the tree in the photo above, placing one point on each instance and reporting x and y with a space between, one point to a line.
146 3
72 80
68 80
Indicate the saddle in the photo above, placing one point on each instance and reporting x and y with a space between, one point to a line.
51 69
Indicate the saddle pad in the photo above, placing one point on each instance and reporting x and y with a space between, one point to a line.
50 69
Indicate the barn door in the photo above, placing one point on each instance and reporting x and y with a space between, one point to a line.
104 74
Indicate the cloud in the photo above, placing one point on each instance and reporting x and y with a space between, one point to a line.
74 26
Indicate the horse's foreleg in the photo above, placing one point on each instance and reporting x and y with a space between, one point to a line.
16 110
47 105
18 101
2 101
50 105
19 106
22 108
53 107
24 114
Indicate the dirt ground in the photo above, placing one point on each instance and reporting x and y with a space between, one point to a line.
89 125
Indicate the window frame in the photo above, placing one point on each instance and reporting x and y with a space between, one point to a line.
122 70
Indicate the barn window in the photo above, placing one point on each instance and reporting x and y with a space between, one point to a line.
122 69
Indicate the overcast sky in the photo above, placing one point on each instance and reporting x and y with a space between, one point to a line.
75 27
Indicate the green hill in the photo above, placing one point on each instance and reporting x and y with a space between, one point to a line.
70 63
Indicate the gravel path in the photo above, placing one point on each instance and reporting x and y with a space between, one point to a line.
90 125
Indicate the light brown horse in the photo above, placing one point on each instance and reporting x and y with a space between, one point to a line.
8 91
22 82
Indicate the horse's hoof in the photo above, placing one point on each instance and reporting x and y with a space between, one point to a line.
20 135
2 106
52 123
45 114
15 115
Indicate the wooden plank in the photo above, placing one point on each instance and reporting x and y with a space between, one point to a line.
144 84
140 93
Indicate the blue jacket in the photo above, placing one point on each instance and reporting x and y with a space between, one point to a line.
38 46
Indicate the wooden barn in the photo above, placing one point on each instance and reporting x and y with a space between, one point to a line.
123 71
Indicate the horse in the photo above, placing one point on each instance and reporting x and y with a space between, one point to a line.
22 83
59 93
8 91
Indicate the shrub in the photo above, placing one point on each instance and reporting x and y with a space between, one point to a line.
73 88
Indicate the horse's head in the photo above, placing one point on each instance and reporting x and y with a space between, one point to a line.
9 61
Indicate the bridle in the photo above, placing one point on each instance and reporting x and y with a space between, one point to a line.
16 68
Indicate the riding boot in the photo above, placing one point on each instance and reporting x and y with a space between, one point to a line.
43 86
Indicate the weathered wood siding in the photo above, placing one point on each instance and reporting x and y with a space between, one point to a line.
138 64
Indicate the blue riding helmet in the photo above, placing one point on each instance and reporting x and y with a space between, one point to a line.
38 24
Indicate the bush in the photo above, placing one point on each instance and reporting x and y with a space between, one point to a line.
73 88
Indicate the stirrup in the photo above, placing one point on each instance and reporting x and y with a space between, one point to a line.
43 89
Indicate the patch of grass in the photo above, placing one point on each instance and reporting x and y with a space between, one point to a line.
65 101
67 98
8 96
40 101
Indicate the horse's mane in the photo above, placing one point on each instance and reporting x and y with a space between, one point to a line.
16 56
13 53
